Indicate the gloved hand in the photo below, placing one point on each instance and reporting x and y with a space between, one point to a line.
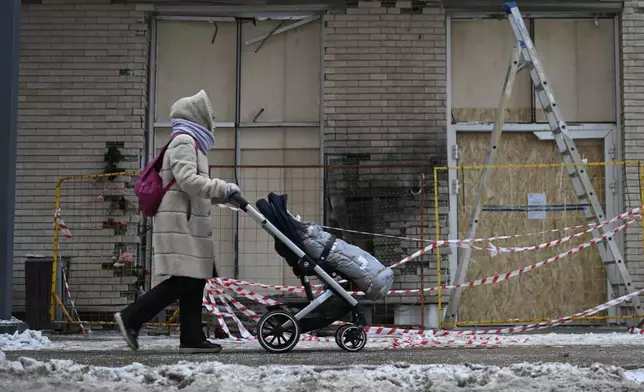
231 188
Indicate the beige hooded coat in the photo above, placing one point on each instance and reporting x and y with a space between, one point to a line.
182 229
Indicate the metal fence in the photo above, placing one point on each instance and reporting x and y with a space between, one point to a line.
100 252
388 210
527 210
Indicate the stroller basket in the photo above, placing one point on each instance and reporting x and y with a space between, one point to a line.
278 330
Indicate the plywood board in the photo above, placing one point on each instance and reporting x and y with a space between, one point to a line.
570 285
283 77
188 61
480 56
578 56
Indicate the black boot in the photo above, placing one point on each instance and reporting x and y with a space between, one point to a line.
205 346
130 335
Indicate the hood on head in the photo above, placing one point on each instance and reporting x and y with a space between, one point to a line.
196 108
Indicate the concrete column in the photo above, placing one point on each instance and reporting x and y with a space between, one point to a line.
9 63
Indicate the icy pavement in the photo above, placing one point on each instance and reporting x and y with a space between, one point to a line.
34 340
54 375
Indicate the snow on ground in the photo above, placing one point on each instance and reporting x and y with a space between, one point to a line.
27 340
31 375
635 375
12 320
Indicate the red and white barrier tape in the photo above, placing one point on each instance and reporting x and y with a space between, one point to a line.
62 227
636 331
489 280
240 326
411 337
635 212
306 337
550 244
379 331
592 227
297 289
71 300
211 306
264 300
291 289
246 336
210 303
509 275
479 282
241 307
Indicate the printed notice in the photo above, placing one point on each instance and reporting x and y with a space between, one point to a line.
536 206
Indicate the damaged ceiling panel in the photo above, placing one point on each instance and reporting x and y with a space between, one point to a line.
289 4
265 9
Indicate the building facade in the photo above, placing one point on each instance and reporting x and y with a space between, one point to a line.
382 92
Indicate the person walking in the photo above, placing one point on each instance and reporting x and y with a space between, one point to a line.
183 249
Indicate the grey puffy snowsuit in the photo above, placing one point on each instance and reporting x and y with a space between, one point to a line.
373 278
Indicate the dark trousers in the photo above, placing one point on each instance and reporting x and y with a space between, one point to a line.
189 291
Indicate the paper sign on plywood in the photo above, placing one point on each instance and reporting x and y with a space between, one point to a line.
537 206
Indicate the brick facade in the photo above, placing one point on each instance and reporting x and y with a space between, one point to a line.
83 85
385 104
632 55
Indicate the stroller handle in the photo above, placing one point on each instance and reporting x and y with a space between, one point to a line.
239 199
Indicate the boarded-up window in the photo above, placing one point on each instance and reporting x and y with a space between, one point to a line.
481 51
188 61
579 59
283 77
578 56
280 82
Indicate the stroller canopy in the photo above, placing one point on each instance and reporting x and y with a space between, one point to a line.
274 209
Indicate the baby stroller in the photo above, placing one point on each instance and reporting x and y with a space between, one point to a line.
279 329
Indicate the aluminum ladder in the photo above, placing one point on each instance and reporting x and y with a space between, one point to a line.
525 56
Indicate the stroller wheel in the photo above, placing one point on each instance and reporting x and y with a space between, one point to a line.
351 338
278 331
338 333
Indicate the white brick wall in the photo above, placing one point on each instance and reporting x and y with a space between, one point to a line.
633 124
73 100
